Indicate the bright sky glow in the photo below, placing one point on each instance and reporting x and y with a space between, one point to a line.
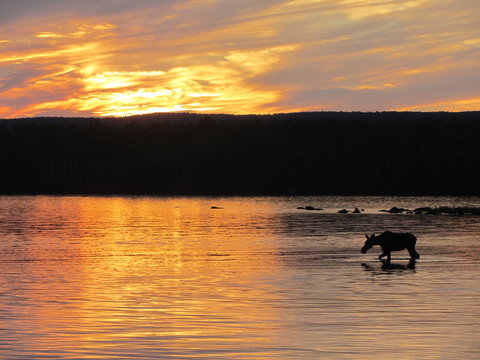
119 57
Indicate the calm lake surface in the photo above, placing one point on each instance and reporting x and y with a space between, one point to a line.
171 278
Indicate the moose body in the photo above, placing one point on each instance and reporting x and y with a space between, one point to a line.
389 242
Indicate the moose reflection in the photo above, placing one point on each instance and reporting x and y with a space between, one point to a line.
390 241
386 266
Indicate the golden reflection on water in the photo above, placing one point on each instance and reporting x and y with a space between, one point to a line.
120 277
101 271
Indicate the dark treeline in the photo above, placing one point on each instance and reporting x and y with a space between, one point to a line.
385 153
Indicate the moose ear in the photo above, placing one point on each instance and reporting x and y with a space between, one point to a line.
373 235
367 237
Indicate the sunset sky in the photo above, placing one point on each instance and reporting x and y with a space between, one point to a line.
122 57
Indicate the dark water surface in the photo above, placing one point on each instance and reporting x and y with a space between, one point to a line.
171 278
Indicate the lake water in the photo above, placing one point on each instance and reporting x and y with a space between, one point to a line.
171 278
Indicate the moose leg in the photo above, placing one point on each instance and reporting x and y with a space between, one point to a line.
413 253
387 254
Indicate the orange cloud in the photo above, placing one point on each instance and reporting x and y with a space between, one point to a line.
220 87
88 55
447 105
234 57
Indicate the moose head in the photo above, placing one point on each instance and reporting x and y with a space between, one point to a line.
371 240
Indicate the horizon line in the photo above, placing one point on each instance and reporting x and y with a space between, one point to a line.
165 114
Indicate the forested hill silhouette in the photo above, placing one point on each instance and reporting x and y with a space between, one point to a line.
385 153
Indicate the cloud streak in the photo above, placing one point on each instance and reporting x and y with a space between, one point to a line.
122 57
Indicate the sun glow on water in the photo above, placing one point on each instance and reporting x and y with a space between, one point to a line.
171 278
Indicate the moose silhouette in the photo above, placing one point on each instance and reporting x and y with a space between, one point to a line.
390 241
